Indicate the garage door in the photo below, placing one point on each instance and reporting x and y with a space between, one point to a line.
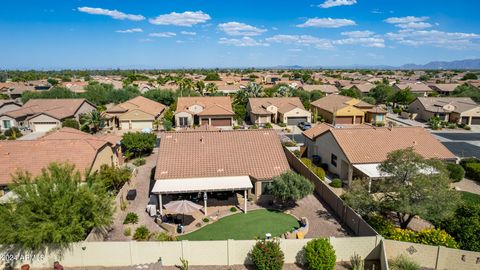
141 124
358 120
345 120
204 122
222 122
44 126
475 120
293 121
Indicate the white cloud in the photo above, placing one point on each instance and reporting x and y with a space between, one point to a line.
336 3
240 29
407 19
187 18
452 40
188 33
375 42
303 40
358 34
242 42
131 30
111 13
326 23
163 34
295 50
414 25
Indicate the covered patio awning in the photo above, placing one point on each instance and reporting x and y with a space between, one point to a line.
187 185
370 170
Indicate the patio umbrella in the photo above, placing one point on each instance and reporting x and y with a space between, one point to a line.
182 207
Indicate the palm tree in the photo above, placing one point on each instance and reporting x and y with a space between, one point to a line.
94 120
211 88
254 90
284 91
200 87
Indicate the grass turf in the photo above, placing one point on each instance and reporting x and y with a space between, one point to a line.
470 198
254 224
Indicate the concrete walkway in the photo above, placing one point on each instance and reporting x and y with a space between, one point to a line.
468 185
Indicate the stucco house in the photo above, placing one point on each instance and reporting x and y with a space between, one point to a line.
451 109
363 88
356 151
6 106
445 89
327 89
241 161
87 152
288 110
213 111
135 114
416 88
42 115
338 109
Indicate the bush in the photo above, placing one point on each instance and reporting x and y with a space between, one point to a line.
253 127
111 177
141 234
318 171
206 220
464 161
320 255
138 143
236 127
290 187
402 262
467 127
282 124
139 162
436 237
290 143
163 236
357 262
297 153
452 126
13 133
233 209
131 218
336 183
127 231
472 171
167 125
267 125
71 123
267 255
397 110
456 172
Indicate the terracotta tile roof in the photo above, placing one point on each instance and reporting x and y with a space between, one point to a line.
257 153
333 103
56 108
34 155
325 88
317 130
415 87
365 87
138 103
458 104
445 87
283 104
211 105
371 145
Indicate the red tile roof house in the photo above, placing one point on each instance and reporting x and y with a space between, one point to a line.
417 88
42 115
453 109
83 150
356 151
137 113
214 111
243 161
6 106
288 110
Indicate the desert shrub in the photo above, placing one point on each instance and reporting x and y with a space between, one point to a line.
71 123
435 237
267 255
282 124
297 153
336 183
472 171
2 137
357 262
206 220
290 143
139 162
253 127
320 255
131 218
467 127
456 172
233 209
141 233
236 127
167 125
452 126
267 125
139 143
402 262
397 110
318 171
127 231
13 133
163 236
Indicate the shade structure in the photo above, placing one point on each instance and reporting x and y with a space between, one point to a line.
182 207
202 184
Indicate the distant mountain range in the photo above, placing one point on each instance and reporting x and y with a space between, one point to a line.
468 64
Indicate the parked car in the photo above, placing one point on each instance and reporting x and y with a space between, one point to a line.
304 125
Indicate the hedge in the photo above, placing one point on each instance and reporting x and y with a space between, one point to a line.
318 171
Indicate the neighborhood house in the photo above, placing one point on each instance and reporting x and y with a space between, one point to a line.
451 109
356 151
137 113
277 110
214 111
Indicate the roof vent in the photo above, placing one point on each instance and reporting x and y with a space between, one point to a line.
168 136
220 170
202 140
163 172
414 142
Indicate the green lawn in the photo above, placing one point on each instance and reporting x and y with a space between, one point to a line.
248 226
470 198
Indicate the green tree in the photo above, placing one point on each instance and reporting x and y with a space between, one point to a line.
111 177
434 122
200 87
354 93
213 76
71 123
469 76
403 97
382 93
55 92
211 88
254 90
464 226
320 255
466 90
94 120
166 97
369 99
53 208
52 81
290 187
138 143
414 186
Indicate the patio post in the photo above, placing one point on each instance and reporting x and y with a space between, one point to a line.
205 202
160 203
245 200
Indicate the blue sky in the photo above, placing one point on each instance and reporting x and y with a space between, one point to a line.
82 34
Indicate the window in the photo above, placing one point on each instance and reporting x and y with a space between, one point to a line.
333 160
7 124
183 121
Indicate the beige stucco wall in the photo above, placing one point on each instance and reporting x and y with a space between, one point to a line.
328 116
42 118
104 156
260 119
84 108
297 112
136 115
183 114
12 121
324 146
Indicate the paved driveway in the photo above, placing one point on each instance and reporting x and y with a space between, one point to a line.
463 149
459 136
